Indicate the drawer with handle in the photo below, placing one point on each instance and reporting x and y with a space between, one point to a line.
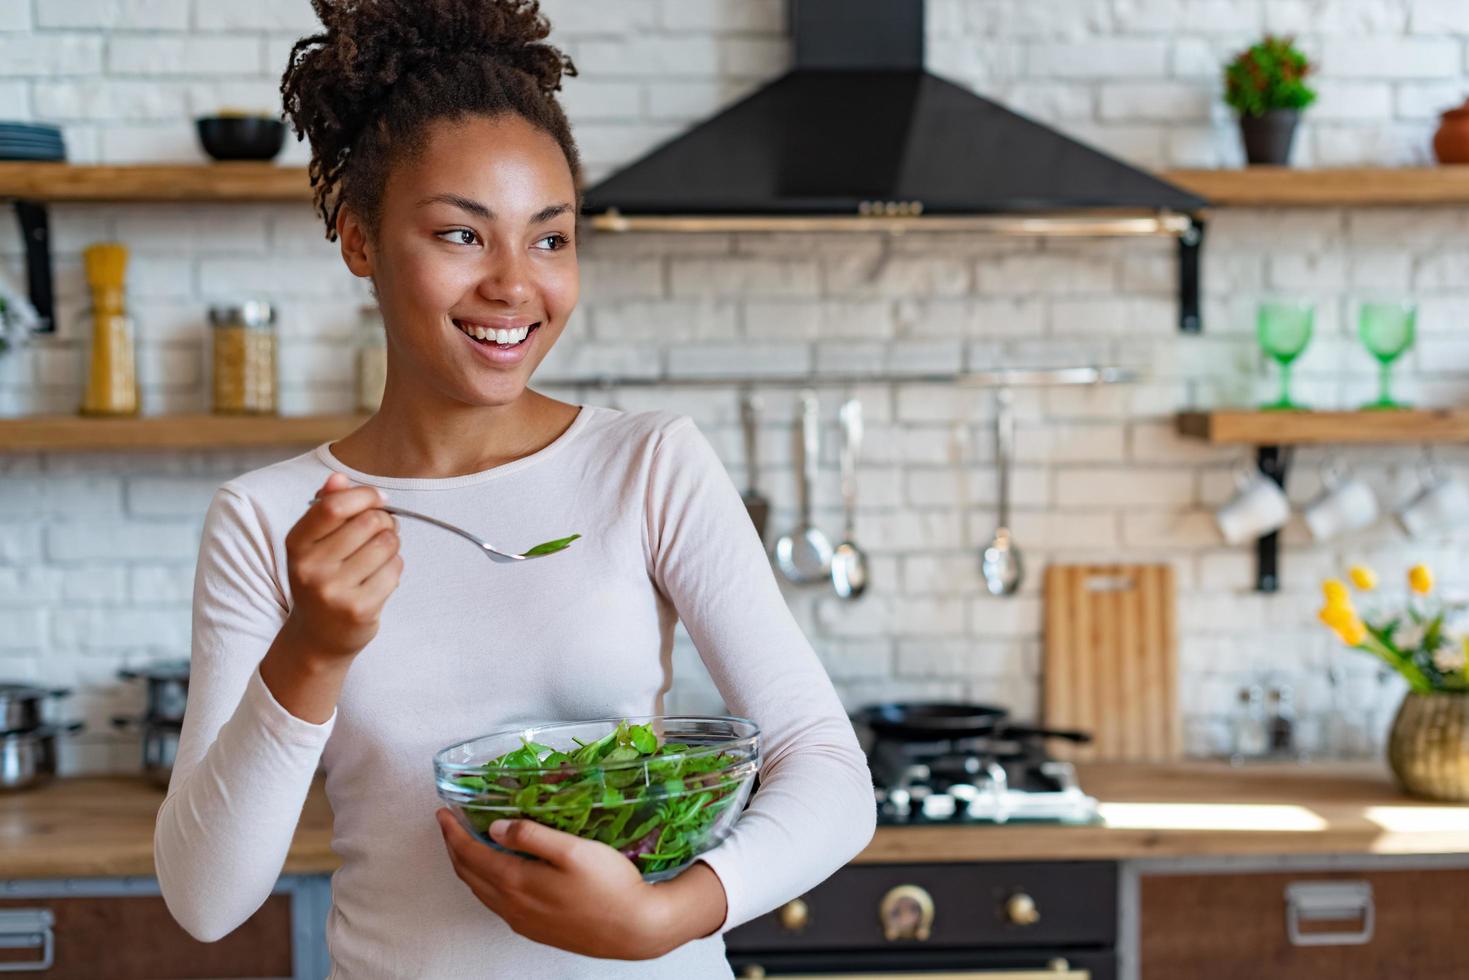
133 937
1307 926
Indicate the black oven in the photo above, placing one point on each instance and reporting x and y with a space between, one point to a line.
1043 920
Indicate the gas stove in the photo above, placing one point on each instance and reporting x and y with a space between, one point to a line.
971 785
932 765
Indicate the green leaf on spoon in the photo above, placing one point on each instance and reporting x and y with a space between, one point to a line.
551 547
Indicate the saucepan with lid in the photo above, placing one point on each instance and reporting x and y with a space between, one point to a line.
22 706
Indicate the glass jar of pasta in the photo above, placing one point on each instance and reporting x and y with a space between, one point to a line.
244 358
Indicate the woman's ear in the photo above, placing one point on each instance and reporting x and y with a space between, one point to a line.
356 249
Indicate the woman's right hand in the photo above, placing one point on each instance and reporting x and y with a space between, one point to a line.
343 563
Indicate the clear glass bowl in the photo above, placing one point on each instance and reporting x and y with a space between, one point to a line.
661 811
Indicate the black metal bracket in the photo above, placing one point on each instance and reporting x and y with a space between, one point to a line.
1190 319
35 231
1274 462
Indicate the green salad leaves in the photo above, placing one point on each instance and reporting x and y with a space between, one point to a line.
550 547
657 804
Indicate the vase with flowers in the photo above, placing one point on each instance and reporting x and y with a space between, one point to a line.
1266 85
1424 639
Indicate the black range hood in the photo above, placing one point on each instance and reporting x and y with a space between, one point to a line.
859 137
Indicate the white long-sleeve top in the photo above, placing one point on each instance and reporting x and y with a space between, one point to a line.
468 647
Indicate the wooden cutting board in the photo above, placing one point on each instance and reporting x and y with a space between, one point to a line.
1111 661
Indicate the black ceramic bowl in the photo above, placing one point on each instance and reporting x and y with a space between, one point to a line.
241 137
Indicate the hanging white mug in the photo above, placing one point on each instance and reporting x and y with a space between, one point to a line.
1346 504
1258 507
1442 504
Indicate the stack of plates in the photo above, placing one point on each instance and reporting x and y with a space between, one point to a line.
29 141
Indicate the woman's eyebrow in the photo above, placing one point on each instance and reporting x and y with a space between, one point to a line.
546 214
481 211
462 203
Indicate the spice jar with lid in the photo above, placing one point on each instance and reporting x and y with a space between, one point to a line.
244 358
111 383
372 359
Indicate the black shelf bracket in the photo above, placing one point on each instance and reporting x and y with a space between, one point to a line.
35 232
1190 241
1274 462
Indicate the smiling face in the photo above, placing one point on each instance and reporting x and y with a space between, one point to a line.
473 259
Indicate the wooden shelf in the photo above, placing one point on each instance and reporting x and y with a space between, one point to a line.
154 182
1253 428
1348 186
1247 187
64 433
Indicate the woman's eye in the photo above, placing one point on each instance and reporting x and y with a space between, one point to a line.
556 242
460 236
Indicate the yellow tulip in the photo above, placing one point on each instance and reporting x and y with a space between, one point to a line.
1363 577
1337 617
1353 633
1336 592
1420 579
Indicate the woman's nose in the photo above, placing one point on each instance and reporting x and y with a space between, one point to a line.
505 279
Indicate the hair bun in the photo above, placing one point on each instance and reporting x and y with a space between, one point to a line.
385 39
379 67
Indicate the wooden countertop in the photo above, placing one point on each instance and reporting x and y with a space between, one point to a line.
1195 809
104 826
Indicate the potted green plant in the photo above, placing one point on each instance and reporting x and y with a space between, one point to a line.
1424 640
1266 85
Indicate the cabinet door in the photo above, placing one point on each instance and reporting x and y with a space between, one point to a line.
1234 927
133 937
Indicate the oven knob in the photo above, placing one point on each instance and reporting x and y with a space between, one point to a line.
753 972
906 912
794 915
1021 910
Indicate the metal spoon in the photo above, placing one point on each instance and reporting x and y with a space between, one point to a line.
491 552
804 555
1000 561
755 502
849 562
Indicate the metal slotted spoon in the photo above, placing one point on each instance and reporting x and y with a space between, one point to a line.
491 552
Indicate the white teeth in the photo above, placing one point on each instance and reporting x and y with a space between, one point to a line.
513 336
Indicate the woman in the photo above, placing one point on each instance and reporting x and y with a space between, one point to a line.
444 166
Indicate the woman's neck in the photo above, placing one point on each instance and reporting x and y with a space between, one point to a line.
428 438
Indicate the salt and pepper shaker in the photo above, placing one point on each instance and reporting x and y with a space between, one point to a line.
1251 729
1283 741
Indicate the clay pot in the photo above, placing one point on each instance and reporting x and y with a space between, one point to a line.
1451 142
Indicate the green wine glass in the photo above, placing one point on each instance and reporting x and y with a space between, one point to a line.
1387 331
1284 329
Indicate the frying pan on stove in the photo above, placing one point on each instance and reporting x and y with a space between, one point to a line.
930 721
933 721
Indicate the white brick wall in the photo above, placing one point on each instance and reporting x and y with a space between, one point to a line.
96 550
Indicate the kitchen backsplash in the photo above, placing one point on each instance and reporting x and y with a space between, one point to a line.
96 550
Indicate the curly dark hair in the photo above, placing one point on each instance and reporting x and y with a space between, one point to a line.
364 89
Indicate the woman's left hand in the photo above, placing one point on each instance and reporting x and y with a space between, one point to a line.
581 896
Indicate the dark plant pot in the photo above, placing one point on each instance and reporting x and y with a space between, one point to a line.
1268 138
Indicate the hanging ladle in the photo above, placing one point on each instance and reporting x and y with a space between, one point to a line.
1000 563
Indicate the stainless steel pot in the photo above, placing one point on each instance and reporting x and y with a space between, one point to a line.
168 688
160 745
28 759
21 705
